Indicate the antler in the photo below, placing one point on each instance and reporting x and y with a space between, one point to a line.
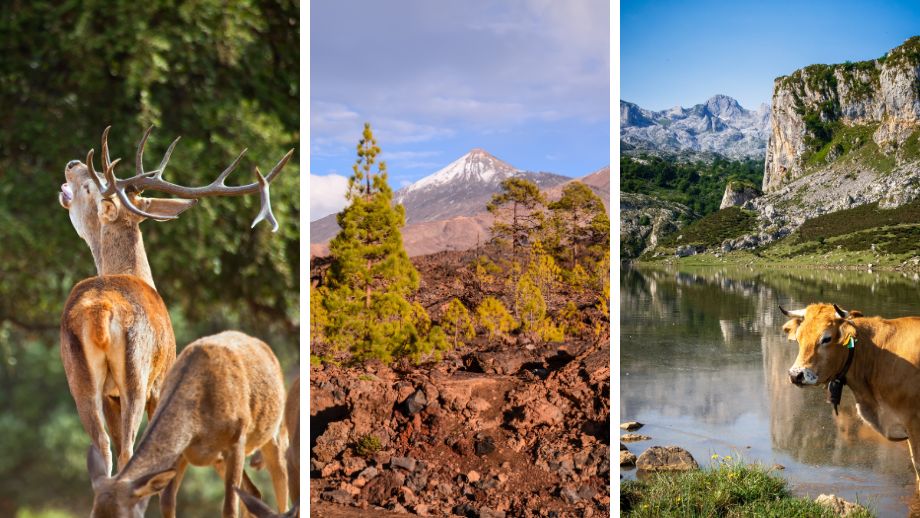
143 180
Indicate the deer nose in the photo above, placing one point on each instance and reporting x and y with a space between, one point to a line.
72 164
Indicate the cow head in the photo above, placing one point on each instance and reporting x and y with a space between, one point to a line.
822 331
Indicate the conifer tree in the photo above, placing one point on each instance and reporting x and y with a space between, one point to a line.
581 220
457 322
494 317
518 212
371 275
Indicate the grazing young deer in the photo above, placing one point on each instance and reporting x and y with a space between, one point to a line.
117 341
292 425
222 400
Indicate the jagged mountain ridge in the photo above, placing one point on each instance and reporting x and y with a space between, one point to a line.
720 125
461 189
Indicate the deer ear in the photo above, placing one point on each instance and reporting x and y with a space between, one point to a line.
108 211
153 483
255 506
170 207
790 327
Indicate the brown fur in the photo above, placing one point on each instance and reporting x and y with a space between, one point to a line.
885 372
117 344
292 425
222 401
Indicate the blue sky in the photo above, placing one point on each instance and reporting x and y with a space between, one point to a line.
681 53
527 80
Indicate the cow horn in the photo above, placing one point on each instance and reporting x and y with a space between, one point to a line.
798 313
841 313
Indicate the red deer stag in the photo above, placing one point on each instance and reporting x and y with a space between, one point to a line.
222 401
117 341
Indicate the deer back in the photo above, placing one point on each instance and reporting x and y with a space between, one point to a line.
221 386
109 311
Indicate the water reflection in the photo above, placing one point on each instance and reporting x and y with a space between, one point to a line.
704 363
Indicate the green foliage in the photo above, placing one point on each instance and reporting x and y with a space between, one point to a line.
858 218
730 489
368 445
582 221
698 185
530 304
457 323
494 317
518 212
224 76
711 230
366 307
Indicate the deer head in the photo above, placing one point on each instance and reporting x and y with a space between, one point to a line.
106 210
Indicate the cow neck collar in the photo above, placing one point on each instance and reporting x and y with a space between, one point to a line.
835 387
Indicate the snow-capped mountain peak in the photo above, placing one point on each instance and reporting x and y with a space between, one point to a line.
476 166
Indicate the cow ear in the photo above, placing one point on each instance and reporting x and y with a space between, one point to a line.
791 327
846 331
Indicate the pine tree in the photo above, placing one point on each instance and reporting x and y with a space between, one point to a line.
518 212
494 317
580 218
457 322
371 275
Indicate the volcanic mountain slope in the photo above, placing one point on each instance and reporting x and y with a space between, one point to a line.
720 125
499 427
447 210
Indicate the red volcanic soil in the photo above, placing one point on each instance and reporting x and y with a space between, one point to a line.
505 427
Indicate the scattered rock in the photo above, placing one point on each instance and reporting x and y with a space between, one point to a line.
634 437
485 446
338 496
627 459
406 463
631 426
666 458
840 506
777 467
473 476
415 403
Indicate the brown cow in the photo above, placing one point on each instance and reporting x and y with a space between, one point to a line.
883 371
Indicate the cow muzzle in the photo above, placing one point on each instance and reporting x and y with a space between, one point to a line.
801 376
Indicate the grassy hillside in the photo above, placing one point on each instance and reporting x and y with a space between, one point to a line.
696 184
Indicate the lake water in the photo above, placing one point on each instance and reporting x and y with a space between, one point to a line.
703 365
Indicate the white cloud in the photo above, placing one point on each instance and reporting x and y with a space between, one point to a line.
327 194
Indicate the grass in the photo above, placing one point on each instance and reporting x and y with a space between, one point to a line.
728 488
711 230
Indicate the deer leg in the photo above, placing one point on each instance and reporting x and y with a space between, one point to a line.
231 469
132 411
169 494
112 410
88 395
272 451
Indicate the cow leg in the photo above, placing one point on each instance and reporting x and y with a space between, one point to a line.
913 442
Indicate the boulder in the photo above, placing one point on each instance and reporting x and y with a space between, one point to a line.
666 458
838 505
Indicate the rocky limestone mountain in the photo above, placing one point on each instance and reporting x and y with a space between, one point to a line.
843 136
644 220
820 111
720 125
446 210
737 194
